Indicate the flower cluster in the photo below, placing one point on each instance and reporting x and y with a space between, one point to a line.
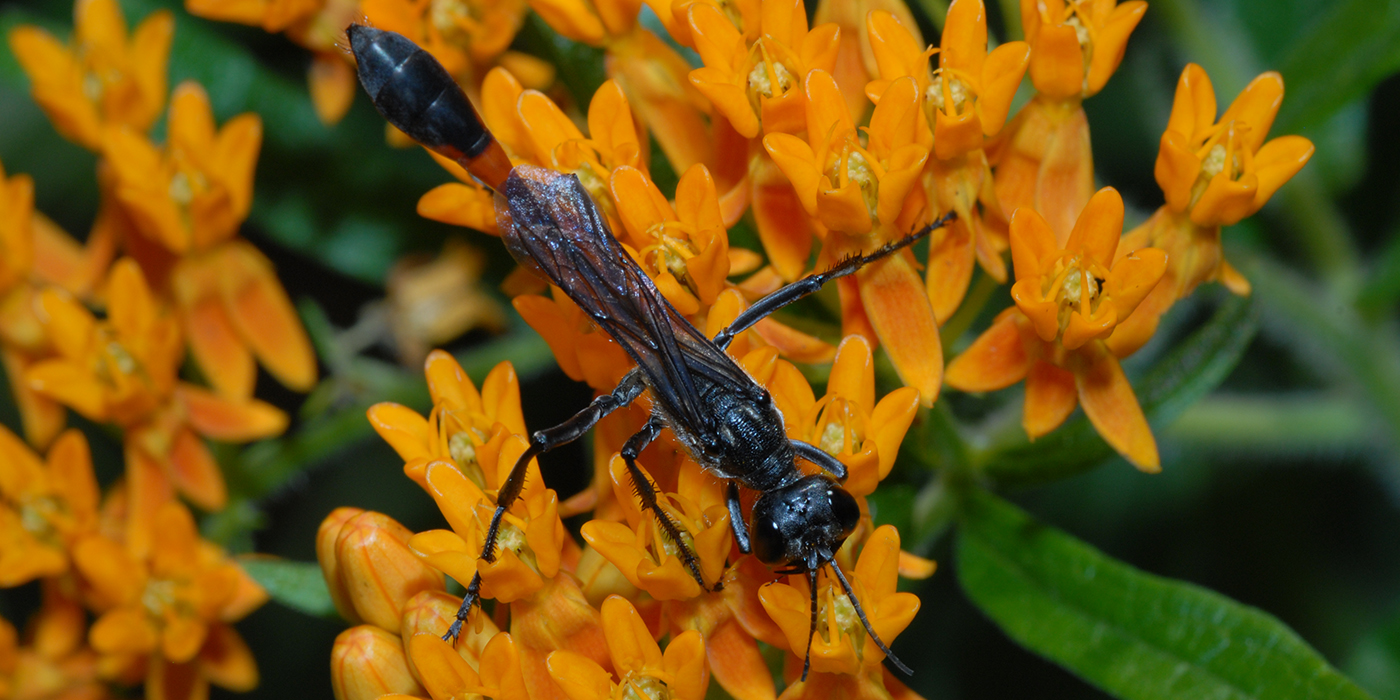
784 143
941 137
583 623
102 328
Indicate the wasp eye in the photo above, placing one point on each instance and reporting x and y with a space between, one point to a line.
845 508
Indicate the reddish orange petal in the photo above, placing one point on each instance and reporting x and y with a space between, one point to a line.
260 309
898 307
1050 398
1098 228
996 360
1113 408
226 660
332 83
196 474
230 420
950 261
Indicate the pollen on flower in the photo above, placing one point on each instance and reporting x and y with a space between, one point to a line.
639 686
764 75
957 93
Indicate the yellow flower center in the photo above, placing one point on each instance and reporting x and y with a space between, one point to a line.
854 164
455 20
1223 148
950 96
840 426
1077 284
160 596
639 686
462 451
847 622
671 250
40 515
768 78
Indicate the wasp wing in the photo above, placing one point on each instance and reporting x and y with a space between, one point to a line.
550 224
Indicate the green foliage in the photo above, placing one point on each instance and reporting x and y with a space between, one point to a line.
1135 635
296 585
1341 59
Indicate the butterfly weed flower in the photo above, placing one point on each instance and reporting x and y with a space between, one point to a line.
1214 173
1043 159
1069 301
45 506
965 101
188 199
52 658
103 77
122 370
640 667
858 190
172 606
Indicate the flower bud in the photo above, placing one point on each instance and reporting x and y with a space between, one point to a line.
367 662
330 566
378 570
432 612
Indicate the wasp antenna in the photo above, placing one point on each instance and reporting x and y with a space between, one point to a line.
419 97
846 585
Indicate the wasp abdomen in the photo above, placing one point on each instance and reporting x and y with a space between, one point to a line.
418 96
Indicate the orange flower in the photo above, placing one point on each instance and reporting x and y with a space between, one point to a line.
860 193
1068 301
1214 173
684 250
122 370
641 550
1076 45
369 567
496 672
466 428
104 78
462 35
840 644
965 101
1043 159
45 507
757 86
22 337
52 660
642 670
368 662
173 606
847 423
969 95
651 73
191 199
533 129
857 62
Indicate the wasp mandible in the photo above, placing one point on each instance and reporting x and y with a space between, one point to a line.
723 418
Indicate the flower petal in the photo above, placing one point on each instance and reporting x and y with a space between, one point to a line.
1050 398
260 309
1114 410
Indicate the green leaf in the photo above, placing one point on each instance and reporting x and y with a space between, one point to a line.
1342 58
297 585
1191 370
1135 635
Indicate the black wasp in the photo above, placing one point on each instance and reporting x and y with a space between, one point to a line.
725 419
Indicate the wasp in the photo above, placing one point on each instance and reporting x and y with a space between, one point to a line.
721 416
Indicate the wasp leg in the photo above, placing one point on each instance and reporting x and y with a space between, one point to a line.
647 494
736 517
812 626
819 457
541 441
801 288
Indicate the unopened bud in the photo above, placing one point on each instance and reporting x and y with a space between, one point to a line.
326 537
378 570
367 662
432 612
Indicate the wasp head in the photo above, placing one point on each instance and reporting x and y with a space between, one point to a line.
793 523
